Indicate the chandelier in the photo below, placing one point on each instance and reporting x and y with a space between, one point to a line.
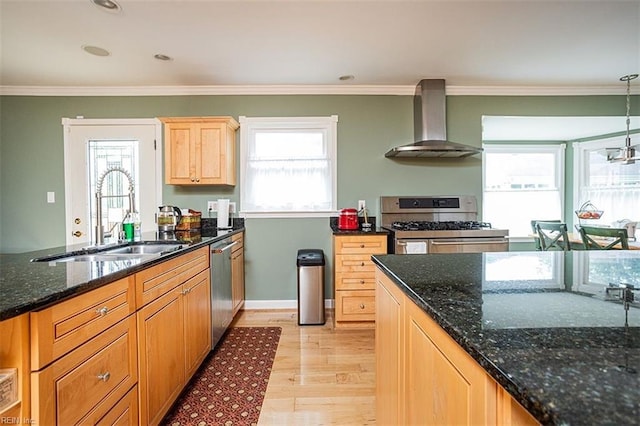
626 155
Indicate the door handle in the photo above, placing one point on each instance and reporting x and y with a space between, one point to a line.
77 234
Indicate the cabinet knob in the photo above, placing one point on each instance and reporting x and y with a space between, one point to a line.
362 306
197 179
362 264
361 281
77 234
361 245
193 179
102 311
104 377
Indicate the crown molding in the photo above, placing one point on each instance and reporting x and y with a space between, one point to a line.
395 90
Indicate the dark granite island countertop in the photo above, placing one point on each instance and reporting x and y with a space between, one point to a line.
26 286
542 324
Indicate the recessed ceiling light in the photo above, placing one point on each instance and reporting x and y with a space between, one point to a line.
346 77
161 57
108 5
95 50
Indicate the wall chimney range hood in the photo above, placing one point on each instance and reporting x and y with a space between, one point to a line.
430 126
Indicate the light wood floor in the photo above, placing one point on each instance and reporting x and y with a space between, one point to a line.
320 376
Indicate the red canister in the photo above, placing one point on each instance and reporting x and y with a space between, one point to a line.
348 219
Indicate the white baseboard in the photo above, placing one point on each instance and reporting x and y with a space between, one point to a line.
279 304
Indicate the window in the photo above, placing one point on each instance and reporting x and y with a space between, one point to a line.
611 187
522 183
288 166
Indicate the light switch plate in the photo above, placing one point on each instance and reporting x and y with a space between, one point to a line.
51 197
361 204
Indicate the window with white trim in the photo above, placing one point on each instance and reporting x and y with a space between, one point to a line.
288 166
521 183
612 187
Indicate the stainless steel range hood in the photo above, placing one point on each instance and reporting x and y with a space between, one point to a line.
430 126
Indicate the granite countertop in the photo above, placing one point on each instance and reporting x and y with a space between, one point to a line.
26 286
374 230
558 342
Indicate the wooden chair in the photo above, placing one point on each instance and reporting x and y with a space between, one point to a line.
619 236
535 231
553 236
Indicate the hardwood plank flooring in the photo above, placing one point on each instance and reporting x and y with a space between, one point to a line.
320 376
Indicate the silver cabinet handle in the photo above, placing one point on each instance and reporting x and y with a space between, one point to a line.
104 377
102 311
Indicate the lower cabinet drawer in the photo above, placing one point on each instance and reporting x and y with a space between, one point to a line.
355 305
85 384
355 281
125 412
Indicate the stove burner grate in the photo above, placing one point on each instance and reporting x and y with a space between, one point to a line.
419 225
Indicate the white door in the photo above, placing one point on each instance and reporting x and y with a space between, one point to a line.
93 148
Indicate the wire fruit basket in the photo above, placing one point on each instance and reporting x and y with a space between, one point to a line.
589 212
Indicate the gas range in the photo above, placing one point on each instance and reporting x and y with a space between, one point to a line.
438 224
425 225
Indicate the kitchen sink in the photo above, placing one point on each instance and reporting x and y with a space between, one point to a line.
101 257
145 249
135 251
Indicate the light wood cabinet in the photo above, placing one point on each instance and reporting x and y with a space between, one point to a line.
83 355
389 355
424 377
443 384
84 385
354 279
237 273
200 150
174 329
14 353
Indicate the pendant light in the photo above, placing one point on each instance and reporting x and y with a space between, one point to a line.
626 155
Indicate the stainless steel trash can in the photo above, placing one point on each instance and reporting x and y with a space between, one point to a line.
310 287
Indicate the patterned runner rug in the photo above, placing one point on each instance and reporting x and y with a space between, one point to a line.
229 387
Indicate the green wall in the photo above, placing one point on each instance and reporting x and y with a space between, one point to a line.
31 160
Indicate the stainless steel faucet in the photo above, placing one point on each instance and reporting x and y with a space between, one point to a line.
99 231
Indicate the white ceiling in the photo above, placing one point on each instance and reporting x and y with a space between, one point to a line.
574 45
303 46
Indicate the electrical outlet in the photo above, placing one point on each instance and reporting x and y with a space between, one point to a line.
361 204
212 206
232 207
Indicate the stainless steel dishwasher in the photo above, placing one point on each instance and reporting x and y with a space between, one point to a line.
221 303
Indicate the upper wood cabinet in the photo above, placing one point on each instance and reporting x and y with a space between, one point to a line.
200 150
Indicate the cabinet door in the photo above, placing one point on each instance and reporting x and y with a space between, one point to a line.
389 352
197 321
443 385
237 276
179 153
160 355
211 153
200 150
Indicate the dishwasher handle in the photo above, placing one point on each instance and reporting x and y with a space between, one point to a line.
218 250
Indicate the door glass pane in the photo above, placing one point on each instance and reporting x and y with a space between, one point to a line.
104 155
